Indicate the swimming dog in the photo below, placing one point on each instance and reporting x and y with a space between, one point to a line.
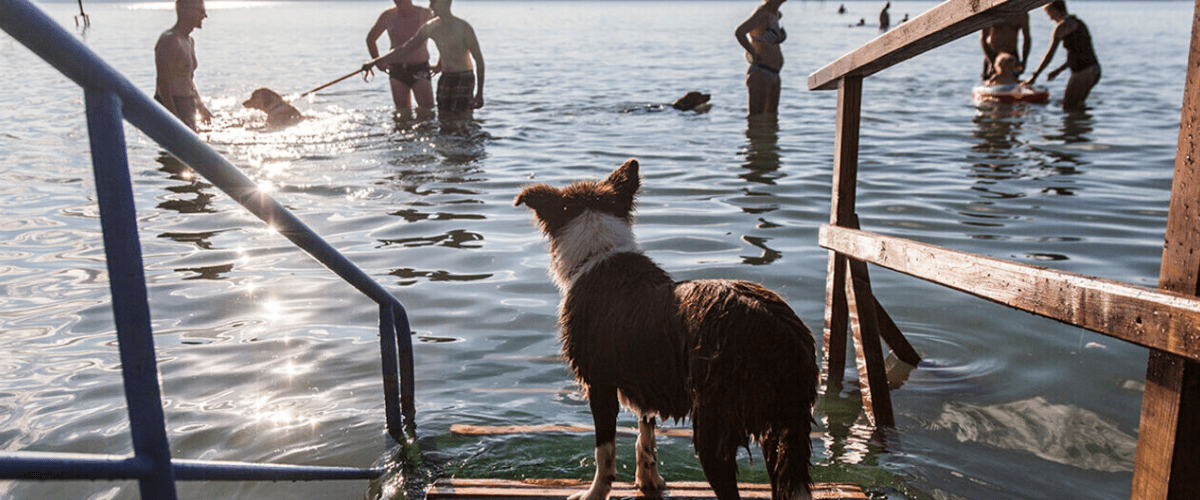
691 101
730 354
279 112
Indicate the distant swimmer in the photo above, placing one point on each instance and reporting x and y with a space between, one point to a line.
760 35
410 74
885 19
175 65
1081 56
1001 38
842 9
460 88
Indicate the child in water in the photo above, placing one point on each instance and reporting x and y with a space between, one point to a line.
1004 71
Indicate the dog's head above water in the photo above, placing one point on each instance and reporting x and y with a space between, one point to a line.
554 208
586 221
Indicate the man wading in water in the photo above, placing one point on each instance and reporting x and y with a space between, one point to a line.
410 74
460 88
175 64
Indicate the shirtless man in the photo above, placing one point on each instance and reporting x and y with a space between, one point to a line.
460 88
1001 38
175 64
409 74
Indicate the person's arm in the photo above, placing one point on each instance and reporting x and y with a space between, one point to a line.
1059 31
376 32
205 114
1027 43
473 46
743 30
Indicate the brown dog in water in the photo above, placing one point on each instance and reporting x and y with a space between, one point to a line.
279 112
730 354
691 101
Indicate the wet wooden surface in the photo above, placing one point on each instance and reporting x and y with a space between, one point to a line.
560 489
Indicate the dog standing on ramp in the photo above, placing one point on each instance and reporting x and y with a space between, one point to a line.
730 354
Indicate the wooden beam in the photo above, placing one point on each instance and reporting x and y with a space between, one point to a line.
841 212
560 489
1169 430
1152 318
872 373
942 24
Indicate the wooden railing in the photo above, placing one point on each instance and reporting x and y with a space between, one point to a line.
1166 319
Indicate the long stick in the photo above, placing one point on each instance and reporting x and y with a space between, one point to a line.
366 65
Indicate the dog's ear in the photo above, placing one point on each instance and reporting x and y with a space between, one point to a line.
538 197
625 180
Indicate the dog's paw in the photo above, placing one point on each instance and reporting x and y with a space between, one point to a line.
592 493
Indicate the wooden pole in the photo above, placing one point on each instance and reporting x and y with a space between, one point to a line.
841 212
1169 431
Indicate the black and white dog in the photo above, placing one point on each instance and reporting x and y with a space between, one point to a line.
730 354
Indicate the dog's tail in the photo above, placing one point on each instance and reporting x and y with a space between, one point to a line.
786 451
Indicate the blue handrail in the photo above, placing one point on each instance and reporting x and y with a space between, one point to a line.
109 99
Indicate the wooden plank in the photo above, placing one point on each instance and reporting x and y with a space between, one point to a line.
560 489
872 373
1152 318
1169 431
942 24
493 430
841 211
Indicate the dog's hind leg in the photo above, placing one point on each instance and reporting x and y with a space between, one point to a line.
603 401
717 448
648 481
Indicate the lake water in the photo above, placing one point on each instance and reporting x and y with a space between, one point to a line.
265 356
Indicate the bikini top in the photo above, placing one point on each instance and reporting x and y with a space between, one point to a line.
772 34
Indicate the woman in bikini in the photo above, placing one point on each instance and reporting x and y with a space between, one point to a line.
1081 57
761 35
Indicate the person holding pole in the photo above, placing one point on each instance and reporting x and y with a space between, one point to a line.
410 74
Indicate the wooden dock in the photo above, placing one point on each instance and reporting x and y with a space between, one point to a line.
560 489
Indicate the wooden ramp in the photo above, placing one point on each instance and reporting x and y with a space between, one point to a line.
560 489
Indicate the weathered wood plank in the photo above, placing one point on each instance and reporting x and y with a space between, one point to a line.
945 23
872 373
493 430
841 212
1152 318
560 489
1169 430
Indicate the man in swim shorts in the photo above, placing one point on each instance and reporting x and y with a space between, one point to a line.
1001 38
460 88
175 65
1081 56
410 74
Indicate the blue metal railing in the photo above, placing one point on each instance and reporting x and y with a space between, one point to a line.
110 98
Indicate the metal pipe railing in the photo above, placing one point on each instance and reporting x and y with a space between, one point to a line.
109 99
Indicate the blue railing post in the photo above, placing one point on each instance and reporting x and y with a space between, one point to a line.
127 283
408 374
391 372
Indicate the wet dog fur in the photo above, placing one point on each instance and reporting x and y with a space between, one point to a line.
279 112
731 355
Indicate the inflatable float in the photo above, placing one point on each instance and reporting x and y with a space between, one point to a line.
1011 93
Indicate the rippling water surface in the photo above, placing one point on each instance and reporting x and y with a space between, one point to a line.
267 357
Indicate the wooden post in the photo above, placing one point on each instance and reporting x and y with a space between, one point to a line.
1169 431
841 211
872 373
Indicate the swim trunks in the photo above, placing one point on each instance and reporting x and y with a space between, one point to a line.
456 92
409 73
